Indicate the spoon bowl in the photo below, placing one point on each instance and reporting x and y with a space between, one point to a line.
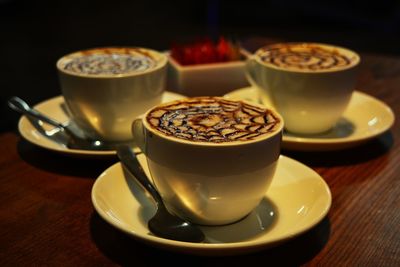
163 223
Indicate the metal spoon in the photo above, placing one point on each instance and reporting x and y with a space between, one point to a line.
163 223
65 134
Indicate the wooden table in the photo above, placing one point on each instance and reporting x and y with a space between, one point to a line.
47 218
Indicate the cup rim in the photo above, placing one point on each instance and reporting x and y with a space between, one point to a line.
161 60
211 144
356 56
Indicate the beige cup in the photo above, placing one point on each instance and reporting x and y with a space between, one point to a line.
311 98
209 183
102 99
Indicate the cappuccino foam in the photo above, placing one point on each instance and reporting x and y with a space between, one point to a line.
213 119
305 57
109 61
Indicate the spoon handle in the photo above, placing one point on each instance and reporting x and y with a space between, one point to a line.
22 107
130 161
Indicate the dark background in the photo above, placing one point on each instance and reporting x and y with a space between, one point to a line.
34 34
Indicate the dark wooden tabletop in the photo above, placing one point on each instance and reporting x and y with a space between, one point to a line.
47 217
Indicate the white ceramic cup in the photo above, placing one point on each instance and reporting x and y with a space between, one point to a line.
311 101
104 105
209 183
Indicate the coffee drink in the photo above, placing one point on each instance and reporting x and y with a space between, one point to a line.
213 119
105 89
309 84
208 153
306 57
109 61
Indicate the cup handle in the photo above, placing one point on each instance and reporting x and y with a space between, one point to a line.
138 133
254 80
251 71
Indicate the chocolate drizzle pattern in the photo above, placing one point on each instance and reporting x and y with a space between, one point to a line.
309 57
213 119
110 62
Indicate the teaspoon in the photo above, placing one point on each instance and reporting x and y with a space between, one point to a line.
163 223
63 133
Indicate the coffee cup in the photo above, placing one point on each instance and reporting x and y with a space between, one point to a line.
105 89
211 159
309 84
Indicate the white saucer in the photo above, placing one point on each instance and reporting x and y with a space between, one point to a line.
54 107
365 118
297 200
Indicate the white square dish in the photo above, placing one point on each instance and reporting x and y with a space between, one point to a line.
213 79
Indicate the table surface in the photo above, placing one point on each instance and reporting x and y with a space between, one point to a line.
47 217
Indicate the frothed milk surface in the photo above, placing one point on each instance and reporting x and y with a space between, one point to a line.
213 119
307 57
109 61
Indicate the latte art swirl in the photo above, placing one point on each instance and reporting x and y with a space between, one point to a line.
213 119
110 62
307 57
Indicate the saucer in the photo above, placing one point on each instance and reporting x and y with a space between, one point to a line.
297 200
365 118
55 108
